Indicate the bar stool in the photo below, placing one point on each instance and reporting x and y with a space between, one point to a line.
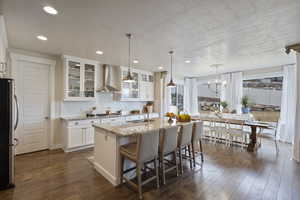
168 146
184 142
144 151
196 137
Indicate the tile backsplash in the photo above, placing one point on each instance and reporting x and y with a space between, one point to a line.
103 101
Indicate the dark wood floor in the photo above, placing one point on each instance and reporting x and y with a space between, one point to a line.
227 174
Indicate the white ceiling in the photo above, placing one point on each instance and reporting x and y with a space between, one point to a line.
241 34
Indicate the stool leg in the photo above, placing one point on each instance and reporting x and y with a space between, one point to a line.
122 169
139 177
201 150
163 169
180 160
176 163
190 156
156 171
193 151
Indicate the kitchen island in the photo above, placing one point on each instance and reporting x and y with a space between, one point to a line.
108 139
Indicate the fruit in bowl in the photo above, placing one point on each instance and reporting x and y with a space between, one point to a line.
184 118
170 115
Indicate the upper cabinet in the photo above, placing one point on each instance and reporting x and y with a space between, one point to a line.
79 79
141 90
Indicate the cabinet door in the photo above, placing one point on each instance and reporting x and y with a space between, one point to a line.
89 80
74 79
76 137
89 136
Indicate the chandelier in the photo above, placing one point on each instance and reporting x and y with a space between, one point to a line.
217 83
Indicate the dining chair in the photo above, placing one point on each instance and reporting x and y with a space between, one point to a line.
142 152
197 138
237 135
167 147
273 127
184 143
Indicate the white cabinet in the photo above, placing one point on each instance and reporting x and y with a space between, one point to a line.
76 137
146 86
3 47
79 79
141 90
89 135
79 134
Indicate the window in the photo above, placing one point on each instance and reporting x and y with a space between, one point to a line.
265 97
177 96
208 98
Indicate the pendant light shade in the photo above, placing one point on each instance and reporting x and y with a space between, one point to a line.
171 83
129 78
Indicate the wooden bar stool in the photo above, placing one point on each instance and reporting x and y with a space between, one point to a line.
185 142
196 137
168 146
143 152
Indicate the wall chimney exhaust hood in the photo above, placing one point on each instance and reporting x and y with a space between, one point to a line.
111 79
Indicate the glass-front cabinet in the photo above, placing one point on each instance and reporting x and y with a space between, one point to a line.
141 90
79 79
130 91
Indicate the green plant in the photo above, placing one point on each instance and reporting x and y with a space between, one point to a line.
224 104
245 101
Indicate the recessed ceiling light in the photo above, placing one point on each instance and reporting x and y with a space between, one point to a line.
187 61
41 37
99 52
50 10
160 67
135 61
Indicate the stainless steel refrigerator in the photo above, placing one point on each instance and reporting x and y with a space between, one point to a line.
8 123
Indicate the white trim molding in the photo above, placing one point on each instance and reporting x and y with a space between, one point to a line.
15 57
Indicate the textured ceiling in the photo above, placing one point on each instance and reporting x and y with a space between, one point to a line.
241 34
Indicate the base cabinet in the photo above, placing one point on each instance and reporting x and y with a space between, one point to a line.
79 135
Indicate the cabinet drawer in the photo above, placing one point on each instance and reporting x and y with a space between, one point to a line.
111 120
87 122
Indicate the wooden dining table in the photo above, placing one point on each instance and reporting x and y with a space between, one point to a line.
252 146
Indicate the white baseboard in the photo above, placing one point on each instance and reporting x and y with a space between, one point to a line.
78 148
113 180
56 146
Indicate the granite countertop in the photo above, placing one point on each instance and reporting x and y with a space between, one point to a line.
74 118
130 128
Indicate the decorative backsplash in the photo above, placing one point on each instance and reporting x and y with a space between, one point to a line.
103 102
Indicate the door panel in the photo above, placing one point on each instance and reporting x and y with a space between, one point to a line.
76 137
89 135
32 88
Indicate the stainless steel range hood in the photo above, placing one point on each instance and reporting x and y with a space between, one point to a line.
111 79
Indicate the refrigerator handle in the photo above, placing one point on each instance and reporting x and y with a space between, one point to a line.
17 116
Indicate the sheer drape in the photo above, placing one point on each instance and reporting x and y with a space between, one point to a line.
191 96
288 105
296 143
232 93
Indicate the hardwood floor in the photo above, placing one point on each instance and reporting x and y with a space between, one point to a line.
227 174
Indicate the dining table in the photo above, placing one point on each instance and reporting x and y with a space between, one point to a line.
254 125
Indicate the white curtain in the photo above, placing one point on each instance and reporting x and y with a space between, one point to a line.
191 96
286 128
296 143
232 92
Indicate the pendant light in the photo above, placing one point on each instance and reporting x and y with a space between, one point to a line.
171 83
129 78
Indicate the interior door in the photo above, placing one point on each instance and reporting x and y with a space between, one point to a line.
32 89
